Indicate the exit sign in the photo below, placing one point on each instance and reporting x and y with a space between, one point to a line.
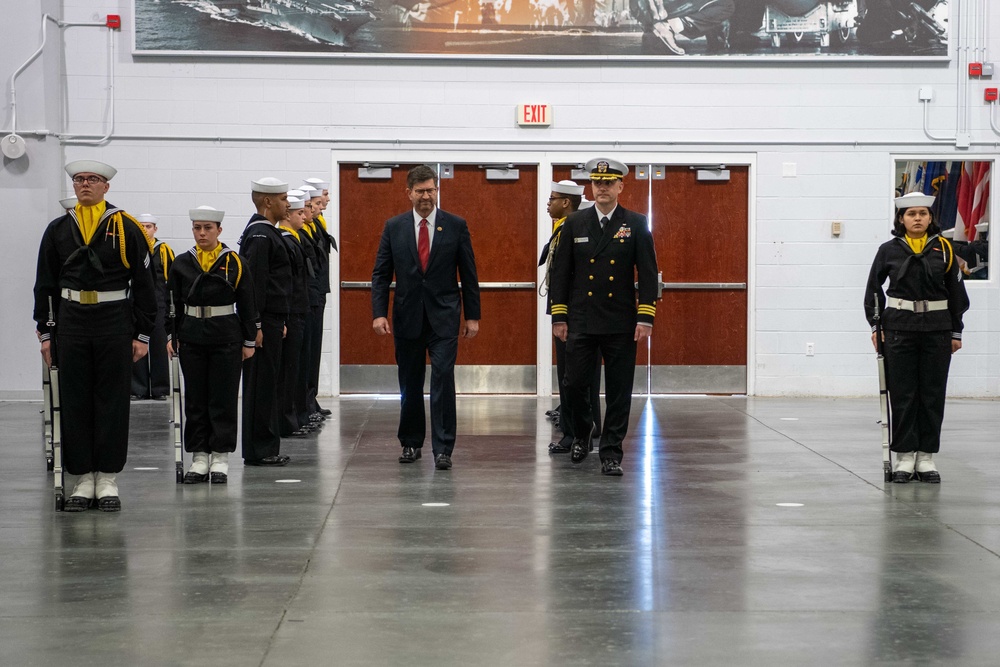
534 114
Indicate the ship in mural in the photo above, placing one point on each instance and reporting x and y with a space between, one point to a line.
330 22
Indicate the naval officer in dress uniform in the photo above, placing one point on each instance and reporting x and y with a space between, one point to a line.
921 315
93 268
269 265
603 250
216 329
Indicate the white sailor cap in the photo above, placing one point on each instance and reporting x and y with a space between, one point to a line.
147 218
269 186
606 169
318 183
585 203
567 188
91 167
206 214
307 189
68 202
914 199
296 199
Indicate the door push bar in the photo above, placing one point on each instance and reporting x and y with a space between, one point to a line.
660 286
346 284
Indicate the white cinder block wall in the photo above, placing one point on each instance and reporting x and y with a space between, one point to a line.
837 127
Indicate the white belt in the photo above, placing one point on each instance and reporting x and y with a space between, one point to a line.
916 306
90 297
204 312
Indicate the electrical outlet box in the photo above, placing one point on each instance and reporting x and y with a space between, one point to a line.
810 349
114 21
835 228
963 140
987 69
926 94
990 94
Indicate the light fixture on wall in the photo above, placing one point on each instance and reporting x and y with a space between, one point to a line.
13 146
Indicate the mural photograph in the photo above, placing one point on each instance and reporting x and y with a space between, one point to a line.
547 29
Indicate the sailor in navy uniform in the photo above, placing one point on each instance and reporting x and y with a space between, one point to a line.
326 244
93 268
291 398
268 263
602 251
216 329
151 375
921 317
565 198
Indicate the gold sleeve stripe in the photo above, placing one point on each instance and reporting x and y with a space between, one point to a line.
559 309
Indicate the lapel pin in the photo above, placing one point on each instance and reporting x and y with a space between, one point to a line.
439 229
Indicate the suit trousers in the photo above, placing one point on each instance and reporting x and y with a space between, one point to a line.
151 374
260 393
410 362
583 351
916 368
95 375
565 412
211 395
290 394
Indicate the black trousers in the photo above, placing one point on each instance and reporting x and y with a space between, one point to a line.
290 394
94 380
315 326
916 367
411 357
583 351
151 374
260 393
565 412
211 395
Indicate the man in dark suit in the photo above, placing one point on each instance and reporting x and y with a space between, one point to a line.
602 251
425 248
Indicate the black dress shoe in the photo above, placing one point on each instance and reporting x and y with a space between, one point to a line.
929 477
194 478
316 417
442 462
160 397
219 478
109 504
274 461
560 447
900 477
611 468
76 504
409 455
579 451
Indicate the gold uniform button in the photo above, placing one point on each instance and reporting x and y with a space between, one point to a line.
591 277
590 294
621 240
612 261
591 261
611 277
610 295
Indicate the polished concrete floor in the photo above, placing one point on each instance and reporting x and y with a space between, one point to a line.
690 559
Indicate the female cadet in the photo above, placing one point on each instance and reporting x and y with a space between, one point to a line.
214 332
921 315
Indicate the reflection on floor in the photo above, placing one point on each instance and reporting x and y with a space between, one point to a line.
352 559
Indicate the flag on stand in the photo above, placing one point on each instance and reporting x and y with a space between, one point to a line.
973 199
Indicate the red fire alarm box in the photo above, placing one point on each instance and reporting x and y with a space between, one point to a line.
114 21
975 69
991 95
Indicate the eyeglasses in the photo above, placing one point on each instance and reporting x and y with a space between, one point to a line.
425 191
558 198
93 180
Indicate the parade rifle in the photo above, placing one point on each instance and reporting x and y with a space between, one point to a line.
883 391
57 469
175 395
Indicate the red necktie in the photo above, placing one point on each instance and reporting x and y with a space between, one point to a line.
424 245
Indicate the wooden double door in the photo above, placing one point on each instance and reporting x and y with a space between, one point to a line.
499 204
700 223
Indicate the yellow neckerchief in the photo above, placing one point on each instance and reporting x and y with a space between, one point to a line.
916 245
558 223
207 259
322 222
88 218
307 228
290 231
